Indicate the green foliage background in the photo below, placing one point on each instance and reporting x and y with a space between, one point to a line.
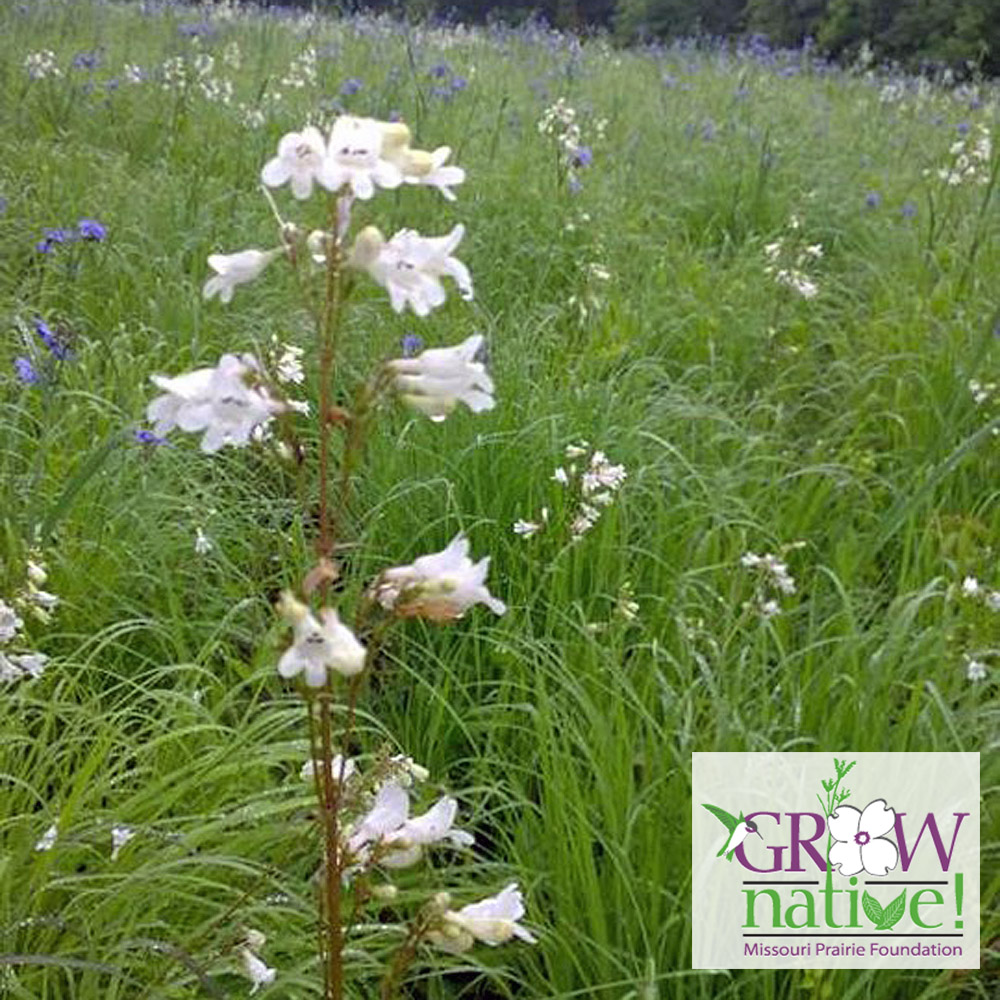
748 418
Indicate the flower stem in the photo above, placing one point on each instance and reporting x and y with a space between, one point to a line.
332 860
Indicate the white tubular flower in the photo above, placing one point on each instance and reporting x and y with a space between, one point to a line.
319 645
416 165
434 827
235 269
48 839
256 969
354 157
10 622
22 666
410 267
337 765
120 836
388 813
437 380
440 587
219 401
492 921
301 159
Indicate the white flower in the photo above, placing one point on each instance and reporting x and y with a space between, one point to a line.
409 770
219 401
438 379
301 159
120 836
410 266
416 165
970 586
36 574
602 474
860 845
434 827
389 812
256 969
526 528
10 622
202 543
337 765
354 157
441 586
17 667
492 921
993 600
319 644
235 269
561 476
289 365
975 670
386 825
48 839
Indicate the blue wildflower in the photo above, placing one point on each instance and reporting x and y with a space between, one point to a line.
91 229
411 344
350 86
51 340
459 83
148 438
963 128
582 156
25 371
53 237
439 70
395 116
909 209
86 60
873 199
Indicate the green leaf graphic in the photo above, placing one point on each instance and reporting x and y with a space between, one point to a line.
892 914
873 909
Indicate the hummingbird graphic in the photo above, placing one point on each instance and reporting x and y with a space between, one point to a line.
739 829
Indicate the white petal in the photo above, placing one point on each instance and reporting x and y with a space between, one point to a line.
877 820
843 824
879 856
848 856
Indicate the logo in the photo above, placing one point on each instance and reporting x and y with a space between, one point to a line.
813 861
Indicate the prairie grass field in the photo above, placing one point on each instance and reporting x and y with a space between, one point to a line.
769 289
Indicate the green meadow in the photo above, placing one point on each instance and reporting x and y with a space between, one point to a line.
770 294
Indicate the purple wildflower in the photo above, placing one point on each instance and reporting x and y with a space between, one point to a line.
350 86
873 199
91 229
25 371
86 60
148 438
459 83
439 70
51 340
582 156
909 209
411 344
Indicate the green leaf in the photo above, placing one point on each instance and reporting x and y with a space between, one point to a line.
873 909
892 914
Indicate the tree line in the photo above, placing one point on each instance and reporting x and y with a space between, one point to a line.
963 34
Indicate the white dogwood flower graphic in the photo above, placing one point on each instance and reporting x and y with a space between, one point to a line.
860 841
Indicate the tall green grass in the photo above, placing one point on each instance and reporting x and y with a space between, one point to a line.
748 419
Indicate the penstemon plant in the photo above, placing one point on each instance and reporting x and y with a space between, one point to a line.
364 815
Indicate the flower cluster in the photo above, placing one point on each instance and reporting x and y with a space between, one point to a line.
89 230
40 65
772 577
971 157
227 402
30 601
361 154
593 484
561 124
788 260
254 967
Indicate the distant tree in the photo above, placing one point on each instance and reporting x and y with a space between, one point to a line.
786 22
